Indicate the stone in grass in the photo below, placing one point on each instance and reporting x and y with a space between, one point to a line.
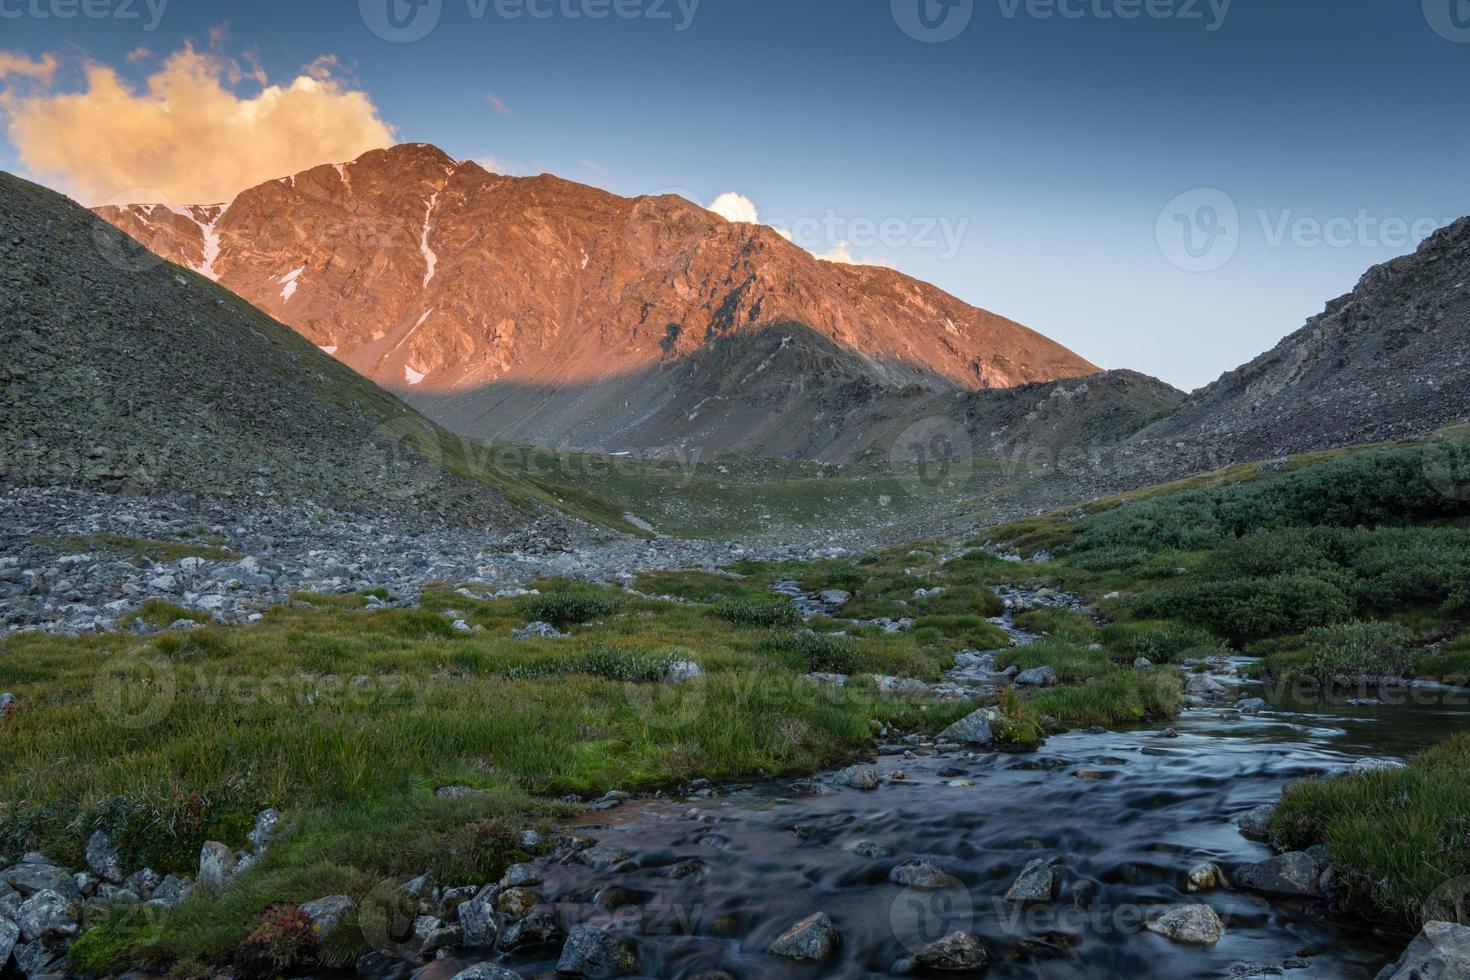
593 952
326 914
1037 882
859 777
923 875
1364 767
813 939
538 630
682 670
959 951
103 859
47 917
1037 677
1195 925
217 864
973 729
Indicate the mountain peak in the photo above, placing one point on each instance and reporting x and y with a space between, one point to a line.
443 281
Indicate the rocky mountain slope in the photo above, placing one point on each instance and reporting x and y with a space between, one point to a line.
123 373
1390 359
540 308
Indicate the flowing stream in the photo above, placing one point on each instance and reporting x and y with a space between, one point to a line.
1127 813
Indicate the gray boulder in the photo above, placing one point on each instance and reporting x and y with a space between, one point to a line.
959 951
604 856
487 971
35 873
592 952
834 597
537 928
1204 876
173 890
326 914
102 858
973 729
923 875
1205 686
47 917
859 777
681 671
1037 677
538 630
1196 925
34 959
1256 824
1038 881
1251 706
266 823
217 864
142 883
478 927
9 936
812 940
1441 951
520 876
1293 873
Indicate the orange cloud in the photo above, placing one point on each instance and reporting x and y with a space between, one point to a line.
188 135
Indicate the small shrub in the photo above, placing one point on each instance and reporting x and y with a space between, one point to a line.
1244 610
563 609
820 653
1348 651
609 663
1162 642
280 937
962 600
766 614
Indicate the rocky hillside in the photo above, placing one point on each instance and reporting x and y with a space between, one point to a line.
542 308
1388 360
123 373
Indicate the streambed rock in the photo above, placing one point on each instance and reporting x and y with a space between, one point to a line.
1037 677
859 777
813 939
1293 873
592 952
973 729
1038 881
1195 925
1256 823
959 951
923 875
1441 951
487 971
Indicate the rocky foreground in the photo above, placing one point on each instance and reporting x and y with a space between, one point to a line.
64 566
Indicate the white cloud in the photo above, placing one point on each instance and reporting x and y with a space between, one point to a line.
842 255
188 133
736 207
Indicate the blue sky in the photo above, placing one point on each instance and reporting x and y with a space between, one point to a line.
1032 164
